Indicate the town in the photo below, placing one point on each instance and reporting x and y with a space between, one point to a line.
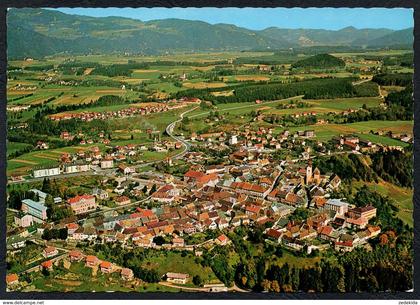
242 161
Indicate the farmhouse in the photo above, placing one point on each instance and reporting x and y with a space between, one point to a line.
178 278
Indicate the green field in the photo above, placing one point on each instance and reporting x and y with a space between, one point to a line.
327 131
170 261
403 197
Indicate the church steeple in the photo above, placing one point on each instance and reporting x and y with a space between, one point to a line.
309 172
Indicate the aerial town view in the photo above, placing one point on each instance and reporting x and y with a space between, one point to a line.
157 150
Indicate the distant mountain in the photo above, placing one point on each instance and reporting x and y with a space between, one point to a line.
307 37
397 38
39 32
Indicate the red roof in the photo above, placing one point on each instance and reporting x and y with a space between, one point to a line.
253 208
106 265
75 253
91 259
49 250
72 226
273 233
47 264
10 278
193 174
223 238
145 213
78 198
326 230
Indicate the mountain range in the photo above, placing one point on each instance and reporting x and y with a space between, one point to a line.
40 32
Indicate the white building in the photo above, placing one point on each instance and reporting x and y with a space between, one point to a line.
233 140
46 172
337 205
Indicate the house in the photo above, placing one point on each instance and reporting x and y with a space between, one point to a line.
177 278
274 235
12 279
91 261
75 256
127 274
107 162
344 246
178 242
222 240
125 169
72 228
47 265
106 267
99 193
122 200
82 204
49 252
24 220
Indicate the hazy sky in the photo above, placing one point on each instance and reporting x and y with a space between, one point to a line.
261 18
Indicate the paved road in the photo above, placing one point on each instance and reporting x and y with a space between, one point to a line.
169 130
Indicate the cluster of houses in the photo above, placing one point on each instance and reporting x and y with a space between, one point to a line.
221 197
336 226
93 158
140 109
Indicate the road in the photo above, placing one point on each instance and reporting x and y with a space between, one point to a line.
170 129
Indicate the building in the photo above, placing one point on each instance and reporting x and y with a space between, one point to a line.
12 279
47 265
233 140
36 209
46 172
100 194
178 242
127 274
177 278
24 220
107 163
50 252
82 204
91 261
367 212
75 256
337 205
122 200
106 267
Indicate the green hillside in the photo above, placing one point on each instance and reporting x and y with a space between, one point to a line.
320 61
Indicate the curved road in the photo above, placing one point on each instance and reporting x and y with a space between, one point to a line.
170 129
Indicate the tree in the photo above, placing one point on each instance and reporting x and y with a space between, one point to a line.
153 189
197 280
159 240
63 233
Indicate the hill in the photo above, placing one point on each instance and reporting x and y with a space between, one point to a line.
320 61
397 38
41 32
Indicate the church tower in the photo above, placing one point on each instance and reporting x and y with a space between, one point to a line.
317 176
309 172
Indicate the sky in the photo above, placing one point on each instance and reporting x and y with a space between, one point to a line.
261 18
